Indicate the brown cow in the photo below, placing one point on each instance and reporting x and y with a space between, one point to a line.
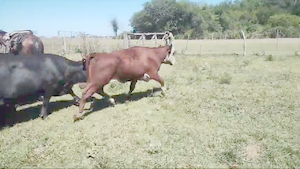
133 64
22 42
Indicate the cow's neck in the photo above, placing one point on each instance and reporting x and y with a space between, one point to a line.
163 53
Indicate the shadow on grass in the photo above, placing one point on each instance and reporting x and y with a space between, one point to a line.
33 112
121 98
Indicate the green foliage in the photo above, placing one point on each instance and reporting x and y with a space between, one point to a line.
115 25
284 20
259 19
77 50
270 58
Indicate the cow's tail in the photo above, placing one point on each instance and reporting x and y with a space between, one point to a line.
86 64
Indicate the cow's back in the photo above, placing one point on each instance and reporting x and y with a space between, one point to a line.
124 65
135 62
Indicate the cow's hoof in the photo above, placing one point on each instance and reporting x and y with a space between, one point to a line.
77 117
41 98
76 103
91 109
163 91
112 101
91 99
43 117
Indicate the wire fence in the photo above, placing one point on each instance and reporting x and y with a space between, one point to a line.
279 46
86 44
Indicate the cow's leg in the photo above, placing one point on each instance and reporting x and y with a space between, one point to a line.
11 110
157 78
110 99
41 98
132 87
2 115
47 96
75 97
87 93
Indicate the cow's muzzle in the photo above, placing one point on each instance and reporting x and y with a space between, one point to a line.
172 61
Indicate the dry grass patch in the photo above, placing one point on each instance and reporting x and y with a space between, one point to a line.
253 152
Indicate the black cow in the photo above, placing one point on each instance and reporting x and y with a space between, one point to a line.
24 78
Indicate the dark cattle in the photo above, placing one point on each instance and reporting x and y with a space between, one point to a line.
2 41
25 78
133 64
22 43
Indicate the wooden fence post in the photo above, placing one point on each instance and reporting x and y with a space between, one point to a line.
155 39
144 38
187 43
128 40
277 36
245 47
125 40
64 44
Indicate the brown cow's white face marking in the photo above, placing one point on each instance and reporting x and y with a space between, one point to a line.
170 58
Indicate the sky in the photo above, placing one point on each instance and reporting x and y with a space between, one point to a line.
47 17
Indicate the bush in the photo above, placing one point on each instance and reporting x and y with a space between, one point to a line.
225 78
270 58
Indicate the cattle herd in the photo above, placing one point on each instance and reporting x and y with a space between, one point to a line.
28 75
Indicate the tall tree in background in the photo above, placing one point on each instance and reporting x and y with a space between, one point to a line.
258 18
115 25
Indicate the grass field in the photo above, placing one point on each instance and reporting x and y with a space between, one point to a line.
220 110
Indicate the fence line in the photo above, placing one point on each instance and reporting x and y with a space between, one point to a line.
127 38
242 46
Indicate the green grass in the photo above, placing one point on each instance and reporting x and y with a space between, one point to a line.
219 111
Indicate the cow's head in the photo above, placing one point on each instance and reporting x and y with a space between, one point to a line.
170 50
170 59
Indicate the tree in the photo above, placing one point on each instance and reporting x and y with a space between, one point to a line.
142 22
284 20
189 19
115 25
